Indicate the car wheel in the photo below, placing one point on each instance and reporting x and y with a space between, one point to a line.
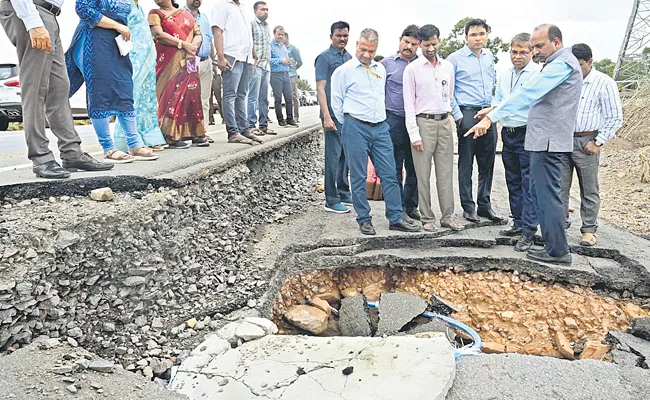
4 125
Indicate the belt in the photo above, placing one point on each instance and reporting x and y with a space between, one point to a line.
204 58
515 129
437 117
473 108
583 134
48 6
373 124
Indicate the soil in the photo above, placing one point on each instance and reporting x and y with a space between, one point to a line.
510 309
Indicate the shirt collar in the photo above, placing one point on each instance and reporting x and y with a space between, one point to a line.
396 56
591 77
335 50
423 61
528 68
358 63
467 52
188 9
260 21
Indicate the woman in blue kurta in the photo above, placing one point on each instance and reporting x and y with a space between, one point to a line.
94 58
143 58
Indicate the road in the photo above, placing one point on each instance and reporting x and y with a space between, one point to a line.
16 168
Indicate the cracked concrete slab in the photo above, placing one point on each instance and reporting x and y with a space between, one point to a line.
299 367
396 310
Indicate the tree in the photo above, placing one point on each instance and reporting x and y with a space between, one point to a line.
606 66
303 84
456 40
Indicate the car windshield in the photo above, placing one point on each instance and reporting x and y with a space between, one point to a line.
8 71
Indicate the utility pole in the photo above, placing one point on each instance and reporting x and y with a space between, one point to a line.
636 40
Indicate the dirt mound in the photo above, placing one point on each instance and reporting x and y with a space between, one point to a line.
636 109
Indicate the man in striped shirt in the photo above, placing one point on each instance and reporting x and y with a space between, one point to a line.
599 116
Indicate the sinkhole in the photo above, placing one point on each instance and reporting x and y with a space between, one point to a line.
512 312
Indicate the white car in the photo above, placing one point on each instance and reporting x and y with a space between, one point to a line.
312 99
10 107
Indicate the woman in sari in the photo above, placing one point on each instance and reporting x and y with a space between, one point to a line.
178 89
143 58
94 58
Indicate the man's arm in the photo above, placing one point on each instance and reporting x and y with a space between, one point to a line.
297 57
338 93
27 12
498 95
275 57
532 90
408 82
455 109
610 106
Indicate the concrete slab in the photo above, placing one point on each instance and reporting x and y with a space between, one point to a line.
299 367
354 317
396 310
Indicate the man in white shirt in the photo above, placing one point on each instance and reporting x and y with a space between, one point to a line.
428 97
32 27
233 41
600 114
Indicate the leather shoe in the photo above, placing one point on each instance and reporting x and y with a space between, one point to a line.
367 228
407 219
50 170
470 216
510 232
86 163
543 256
524 244
489 214
404 227
415 214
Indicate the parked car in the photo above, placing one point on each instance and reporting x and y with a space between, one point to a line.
312 100
304 101
10 107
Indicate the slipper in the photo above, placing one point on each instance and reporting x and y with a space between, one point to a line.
116 156
240 139
210 140
269 131
158 147
141 153
257 132
252 137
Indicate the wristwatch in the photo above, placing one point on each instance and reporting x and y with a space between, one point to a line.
180 44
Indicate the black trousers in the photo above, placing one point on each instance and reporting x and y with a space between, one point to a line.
484 149
281 85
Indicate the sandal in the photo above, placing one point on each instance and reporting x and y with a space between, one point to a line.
158 147
210 140
252 137
240 139
268 131
141 153
201 142
257 132
429 227
116 156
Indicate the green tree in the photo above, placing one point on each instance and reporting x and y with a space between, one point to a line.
456 40
606 66
303 84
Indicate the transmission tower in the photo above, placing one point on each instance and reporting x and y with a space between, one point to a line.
633 62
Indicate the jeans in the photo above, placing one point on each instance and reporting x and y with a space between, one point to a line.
484 149
546 182
235 82
516 161
337 186
103 130
360 142
403 158
258 98
281 84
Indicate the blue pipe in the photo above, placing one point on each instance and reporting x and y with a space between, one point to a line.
469 350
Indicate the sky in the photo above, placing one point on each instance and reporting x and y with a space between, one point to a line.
599 23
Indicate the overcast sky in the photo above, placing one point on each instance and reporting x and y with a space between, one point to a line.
599 23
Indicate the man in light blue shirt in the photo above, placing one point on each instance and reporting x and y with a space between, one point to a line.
294 56
207 56
358 103
475 78
32 27
553 96
280 81
516 159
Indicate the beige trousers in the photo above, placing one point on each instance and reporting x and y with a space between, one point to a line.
438 145
205 74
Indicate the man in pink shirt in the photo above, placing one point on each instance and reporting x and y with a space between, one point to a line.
428 99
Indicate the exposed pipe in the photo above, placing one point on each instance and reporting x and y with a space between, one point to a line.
468 350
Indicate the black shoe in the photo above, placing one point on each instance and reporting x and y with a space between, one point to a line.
471 216
50 170
86 163
545 257
292 123
179 145
524 244
404 227
408 219
367 228
512 231
489 214
282 123
414 213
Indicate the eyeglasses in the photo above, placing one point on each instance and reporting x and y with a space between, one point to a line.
519 53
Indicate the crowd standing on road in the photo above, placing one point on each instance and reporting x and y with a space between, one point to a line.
556 111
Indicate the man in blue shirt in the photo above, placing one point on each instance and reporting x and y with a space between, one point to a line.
280 81
337 187
207 56
516 159
553 96
358 103
395 117
475 78
294 56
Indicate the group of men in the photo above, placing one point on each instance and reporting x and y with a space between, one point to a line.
555 117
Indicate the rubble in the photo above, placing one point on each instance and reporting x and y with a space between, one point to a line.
396 310
102 194
640 328
354 317
311 319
